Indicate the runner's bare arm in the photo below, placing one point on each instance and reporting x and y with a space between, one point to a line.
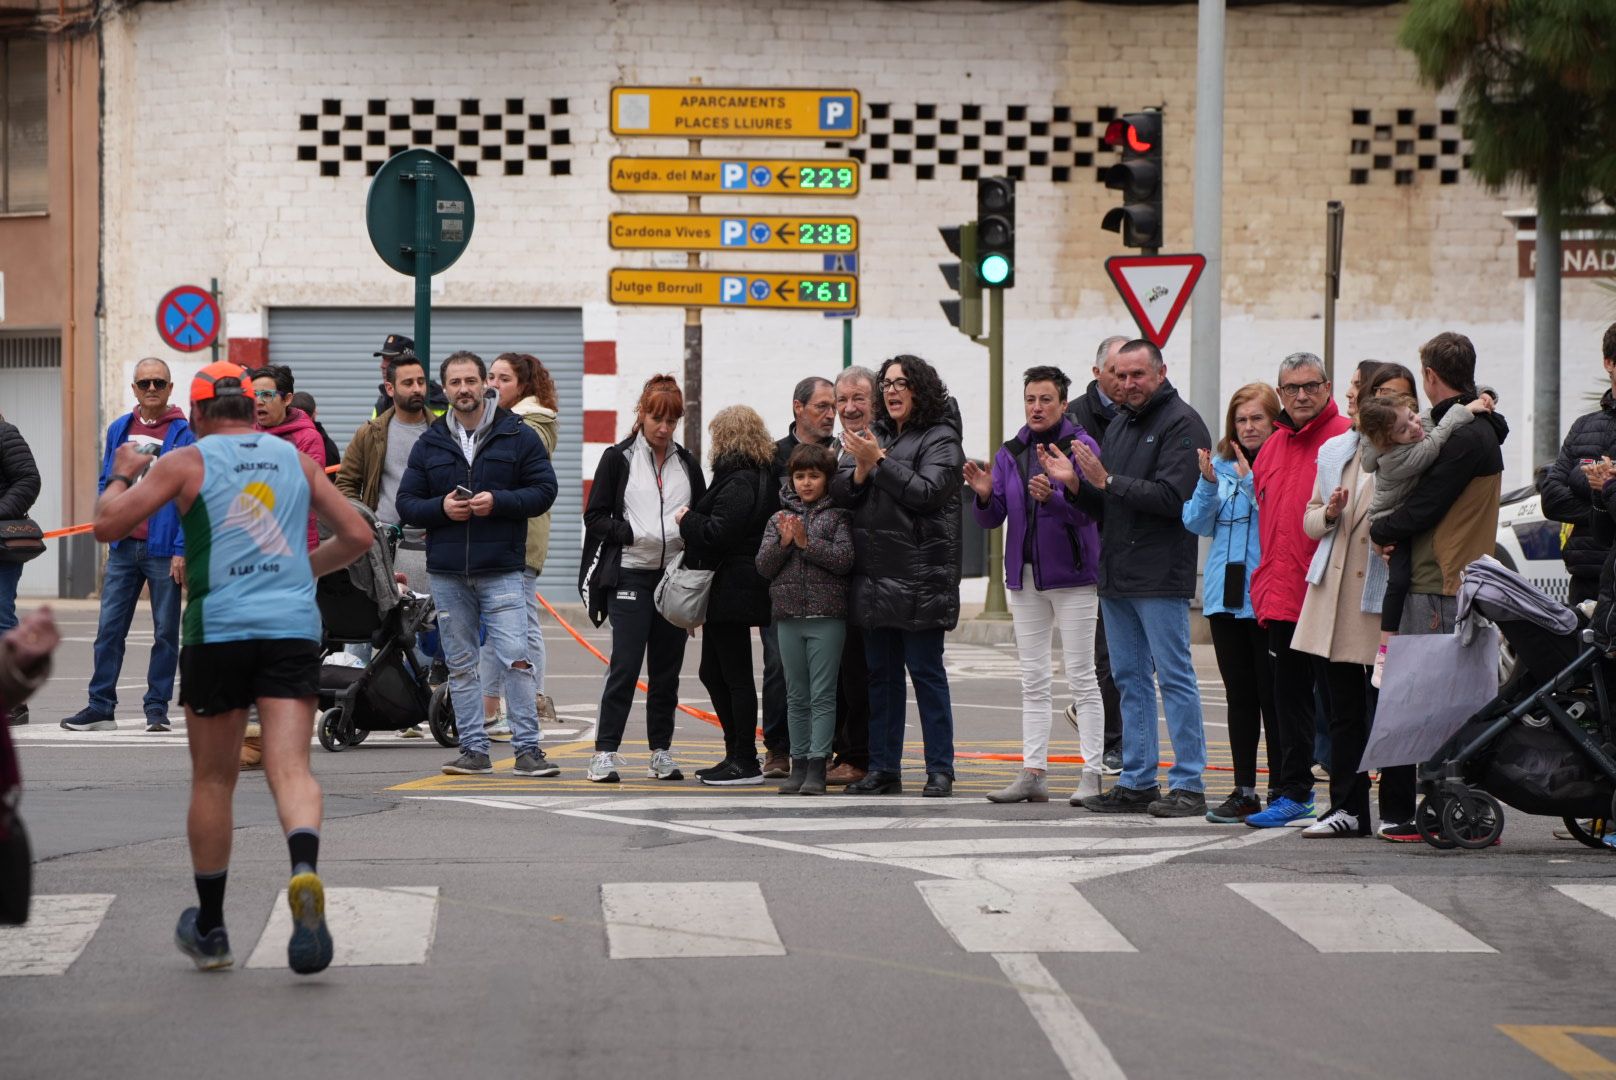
350 535
121 507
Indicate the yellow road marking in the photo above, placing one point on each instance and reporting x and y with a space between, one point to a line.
1555 1045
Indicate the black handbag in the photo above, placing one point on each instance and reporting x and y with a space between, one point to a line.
21 539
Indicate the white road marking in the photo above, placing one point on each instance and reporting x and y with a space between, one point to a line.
660 919
1360 918
1069 1032
831 823
1602 898
57 931
910 849
987 918
369 927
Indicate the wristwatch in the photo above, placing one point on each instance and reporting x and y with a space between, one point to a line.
1108 478
128 481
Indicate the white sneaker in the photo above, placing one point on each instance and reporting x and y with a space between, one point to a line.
413 732
603 768
1335 823
663 767
498 727
1071 717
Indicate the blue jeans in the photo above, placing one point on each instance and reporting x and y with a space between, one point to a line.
128 569
495 601
488 663
888 652
10 574
1140 630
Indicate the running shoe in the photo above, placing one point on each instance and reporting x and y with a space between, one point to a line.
411 732
1123 800
1337 823
1282 812
1399 832
603 768
1071 717
1111 763
663 767
722 765
735 774
1235 809
157 722
210 951
534 763
310 949
85 720
469 763
1179 803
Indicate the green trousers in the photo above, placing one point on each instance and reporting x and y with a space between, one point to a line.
811 654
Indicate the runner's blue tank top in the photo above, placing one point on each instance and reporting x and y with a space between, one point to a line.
246 554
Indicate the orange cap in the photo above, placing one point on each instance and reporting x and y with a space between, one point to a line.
205 386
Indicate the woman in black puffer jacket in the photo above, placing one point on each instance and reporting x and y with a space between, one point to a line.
902 481
722 533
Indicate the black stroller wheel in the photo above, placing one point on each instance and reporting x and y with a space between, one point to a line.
1474 820
1594 835
440 718
357 736
1428 820
329 725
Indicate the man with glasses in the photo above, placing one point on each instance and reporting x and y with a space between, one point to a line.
153 554
1283 478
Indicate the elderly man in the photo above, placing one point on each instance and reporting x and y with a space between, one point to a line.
151 555
1137 488
813 419
1283 479
1449 520
854 396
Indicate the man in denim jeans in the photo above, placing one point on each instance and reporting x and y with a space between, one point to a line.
154 554
473 481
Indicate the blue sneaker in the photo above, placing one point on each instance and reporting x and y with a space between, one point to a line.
1282 812
310 949
209 951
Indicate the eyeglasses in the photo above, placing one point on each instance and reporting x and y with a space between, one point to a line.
894 384
1291 390
151 384
266 395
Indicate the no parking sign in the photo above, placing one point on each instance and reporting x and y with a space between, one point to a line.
188 318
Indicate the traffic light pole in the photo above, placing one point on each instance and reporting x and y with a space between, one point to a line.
993 606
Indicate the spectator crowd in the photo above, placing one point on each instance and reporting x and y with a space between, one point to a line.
1331 530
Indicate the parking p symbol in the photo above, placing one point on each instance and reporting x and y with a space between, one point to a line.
732 290
732 175
732 232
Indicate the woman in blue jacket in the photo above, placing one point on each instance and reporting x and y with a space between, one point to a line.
1224 508
1051 568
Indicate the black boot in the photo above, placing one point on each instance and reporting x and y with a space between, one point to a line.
876 783
814 782
799 770
19 715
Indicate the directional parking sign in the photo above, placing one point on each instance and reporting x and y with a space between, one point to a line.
716 112
820 178
722 232
188 318
734 289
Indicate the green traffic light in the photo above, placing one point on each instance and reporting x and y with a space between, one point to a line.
994 270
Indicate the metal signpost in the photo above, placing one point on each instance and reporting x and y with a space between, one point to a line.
695 112
420 213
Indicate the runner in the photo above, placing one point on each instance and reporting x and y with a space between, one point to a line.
250 633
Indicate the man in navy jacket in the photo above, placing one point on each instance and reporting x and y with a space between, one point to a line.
473 481
154 555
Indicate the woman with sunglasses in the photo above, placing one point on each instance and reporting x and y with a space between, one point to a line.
901 479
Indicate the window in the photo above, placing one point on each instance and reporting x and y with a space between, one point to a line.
24 185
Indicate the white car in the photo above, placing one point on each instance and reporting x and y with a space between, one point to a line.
1530 543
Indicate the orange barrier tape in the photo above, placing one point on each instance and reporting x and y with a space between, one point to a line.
74 530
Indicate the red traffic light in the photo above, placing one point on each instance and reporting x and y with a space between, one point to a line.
1122 133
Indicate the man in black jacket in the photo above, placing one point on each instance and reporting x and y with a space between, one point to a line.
813 419
1093 411
1565 493
1137 488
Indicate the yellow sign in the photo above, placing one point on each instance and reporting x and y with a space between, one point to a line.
718 176
741 289
720 232
715 112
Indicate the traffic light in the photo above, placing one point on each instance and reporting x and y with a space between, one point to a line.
966 312
996 231
1139 177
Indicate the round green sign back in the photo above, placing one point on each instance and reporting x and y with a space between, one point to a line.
391 208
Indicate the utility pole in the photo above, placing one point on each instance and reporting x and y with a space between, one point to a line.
1206 327
1546 331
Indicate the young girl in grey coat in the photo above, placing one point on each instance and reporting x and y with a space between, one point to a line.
807 555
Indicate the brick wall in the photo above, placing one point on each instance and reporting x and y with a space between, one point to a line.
239 133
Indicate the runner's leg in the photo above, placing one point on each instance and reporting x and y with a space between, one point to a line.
215 743
288 725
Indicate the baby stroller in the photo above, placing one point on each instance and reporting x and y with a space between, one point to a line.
363 605
1544 745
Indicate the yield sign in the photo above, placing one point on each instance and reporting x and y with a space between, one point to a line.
1155 288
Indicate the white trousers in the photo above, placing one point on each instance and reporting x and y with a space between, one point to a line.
1036 613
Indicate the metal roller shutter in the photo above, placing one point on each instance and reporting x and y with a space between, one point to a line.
329 351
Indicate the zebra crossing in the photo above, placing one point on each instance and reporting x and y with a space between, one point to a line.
673 920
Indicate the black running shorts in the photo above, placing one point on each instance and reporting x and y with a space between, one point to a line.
229 675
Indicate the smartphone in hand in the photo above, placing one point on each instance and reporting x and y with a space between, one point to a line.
462 492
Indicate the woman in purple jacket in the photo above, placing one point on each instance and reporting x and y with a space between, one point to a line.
1051 566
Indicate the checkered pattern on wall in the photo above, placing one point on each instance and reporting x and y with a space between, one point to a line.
925 141
1403 143
482 136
